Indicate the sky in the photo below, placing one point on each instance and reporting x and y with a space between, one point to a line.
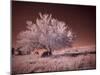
81 19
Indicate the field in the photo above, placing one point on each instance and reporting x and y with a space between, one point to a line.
82 58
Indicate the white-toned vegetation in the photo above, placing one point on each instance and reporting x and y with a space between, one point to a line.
64 60
47 32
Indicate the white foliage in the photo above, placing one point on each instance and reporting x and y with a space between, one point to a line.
47 31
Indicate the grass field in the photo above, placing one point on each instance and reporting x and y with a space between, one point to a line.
82 58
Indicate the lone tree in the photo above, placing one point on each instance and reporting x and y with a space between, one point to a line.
47 32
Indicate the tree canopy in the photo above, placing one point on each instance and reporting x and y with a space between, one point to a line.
47 32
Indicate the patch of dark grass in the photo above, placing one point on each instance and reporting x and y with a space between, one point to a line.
73 54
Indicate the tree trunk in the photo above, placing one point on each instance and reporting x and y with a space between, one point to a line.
49 51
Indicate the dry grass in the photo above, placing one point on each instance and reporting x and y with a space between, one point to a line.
64 60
